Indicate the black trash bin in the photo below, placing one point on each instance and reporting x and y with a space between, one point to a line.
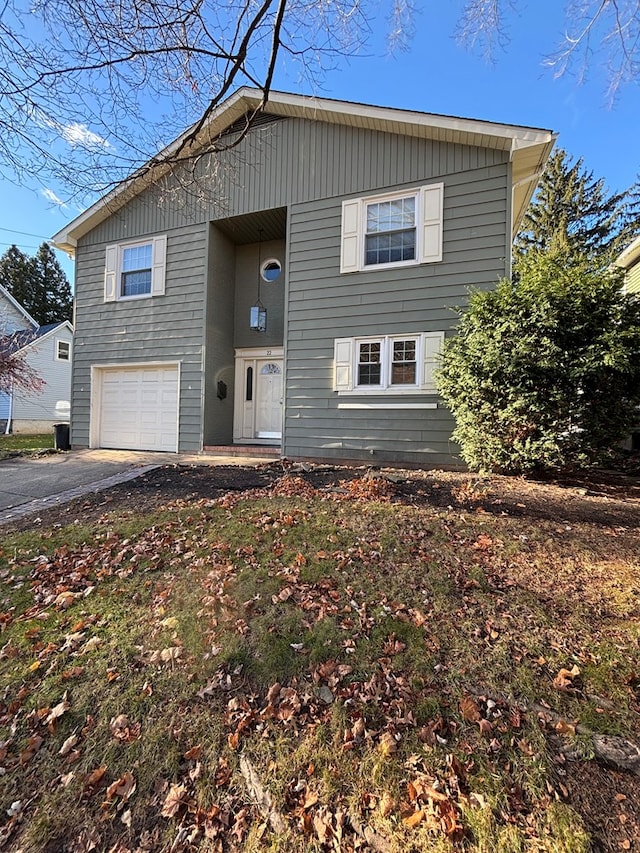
61 437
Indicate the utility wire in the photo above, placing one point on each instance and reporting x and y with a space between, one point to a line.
24 233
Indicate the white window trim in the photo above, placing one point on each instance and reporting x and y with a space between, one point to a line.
113 269
346 360
428 225
57 345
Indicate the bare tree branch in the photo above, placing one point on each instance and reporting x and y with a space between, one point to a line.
91 89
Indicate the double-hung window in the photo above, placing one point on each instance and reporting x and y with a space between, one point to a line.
390 231
395 229
135 277
135 270
370 363
63 350
390 364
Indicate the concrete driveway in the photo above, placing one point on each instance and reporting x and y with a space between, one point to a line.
29 484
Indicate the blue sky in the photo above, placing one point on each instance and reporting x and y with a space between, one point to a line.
434 75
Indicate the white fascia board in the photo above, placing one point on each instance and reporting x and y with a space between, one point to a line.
629 256
5 293
527 164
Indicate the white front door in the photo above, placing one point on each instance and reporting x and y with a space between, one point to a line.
258 396
268 415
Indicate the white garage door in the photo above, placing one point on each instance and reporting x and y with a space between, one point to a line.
139 408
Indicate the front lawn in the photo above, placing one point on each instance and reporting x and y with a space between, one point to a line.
295 668
16 445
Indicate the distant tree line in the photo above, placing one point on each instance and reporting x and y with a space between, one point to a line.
38 283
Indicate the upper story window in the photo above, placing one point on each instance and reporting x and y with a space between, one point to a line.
63 350
135 270
391 231
135 278
391 364
395 229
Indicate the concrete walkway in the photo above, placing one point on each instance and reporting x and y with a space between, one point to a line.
31 484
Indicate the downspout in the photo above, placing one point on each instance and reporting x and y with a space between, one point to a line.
7 428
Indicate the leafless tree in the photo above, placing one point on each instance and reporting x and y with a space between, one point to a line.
90 89
606 31
79 79
16 374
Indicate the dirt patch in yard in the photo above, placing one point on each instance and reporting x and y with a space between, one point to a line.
603 498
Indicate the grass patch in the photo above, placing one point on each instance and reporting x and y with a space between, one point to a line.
298 673
18 445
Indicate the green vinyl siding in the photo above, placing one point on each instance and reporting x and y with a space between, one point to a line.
289 162
324 305
309 168
165 328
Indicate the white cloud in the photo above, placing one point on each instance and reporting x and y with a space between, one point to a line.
52 197
75 133
80 135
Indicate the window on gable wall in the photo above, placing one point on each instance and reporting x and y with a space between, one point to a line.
63 350
395 229
391 364
135 270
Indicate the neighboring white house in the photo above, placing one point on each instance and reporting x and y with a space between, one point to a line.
48 351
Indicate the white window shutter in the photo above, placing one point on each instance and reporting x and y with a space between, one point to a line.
431 347
350 243
158 264
343 364
431 206
110 273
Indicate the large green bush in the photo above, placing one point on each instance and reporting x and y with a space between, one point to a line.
544 373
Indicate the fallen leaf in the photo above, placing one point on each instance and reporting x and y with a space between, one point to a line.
64 600
122 787
469 709
194 753
414 819
68 745
311 798
386 804
33 745
486 727
564 678
565 728
93 779
123 729
57 711
173 801
387 744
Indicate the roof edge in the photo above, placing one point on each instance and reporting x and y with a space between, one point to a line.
630 255
18 306
516 138
52 331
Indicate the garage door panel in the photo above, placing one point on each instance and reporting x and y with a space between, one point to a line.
139 408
